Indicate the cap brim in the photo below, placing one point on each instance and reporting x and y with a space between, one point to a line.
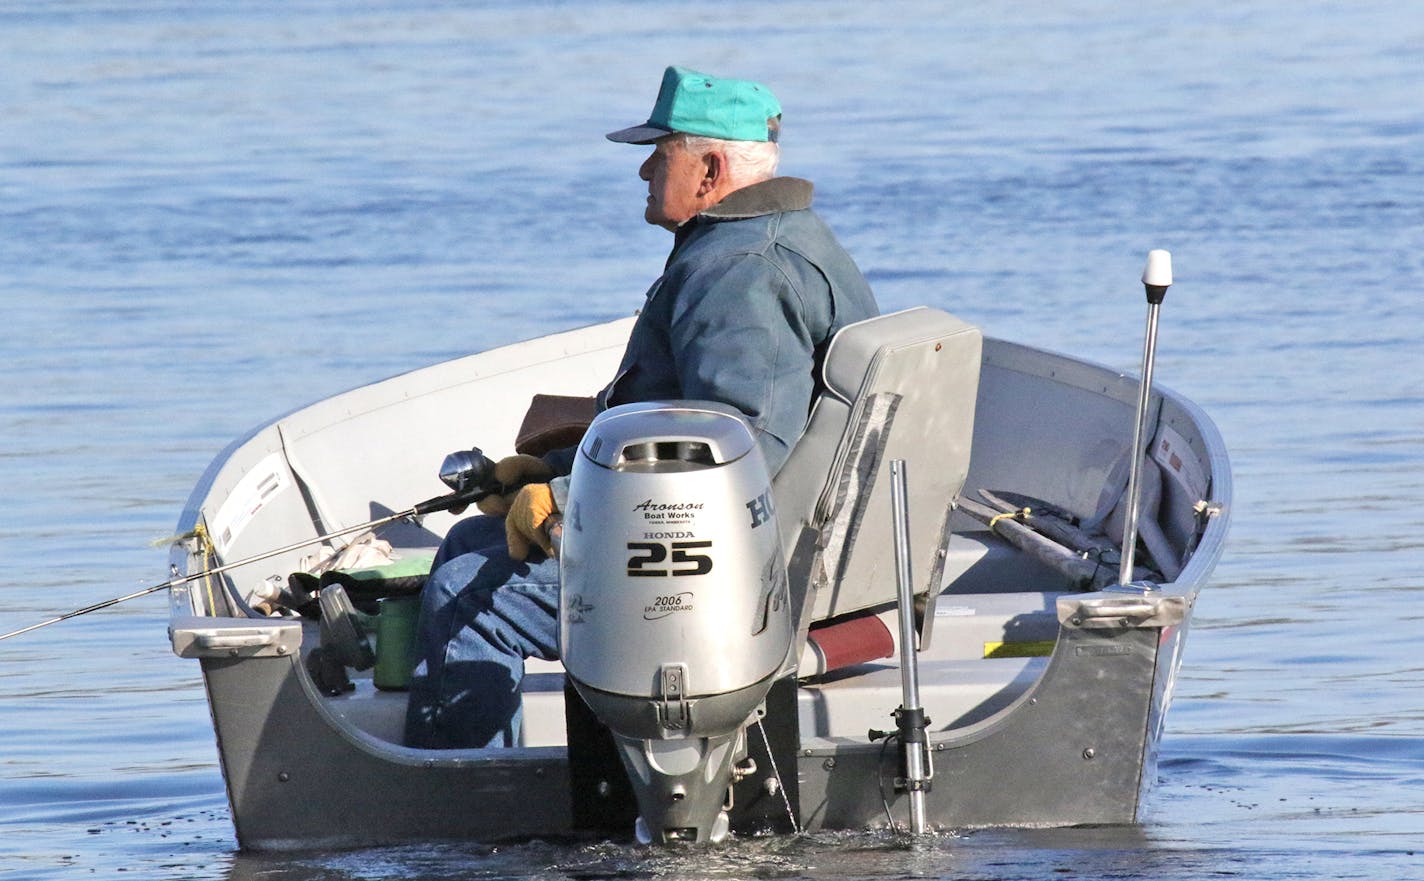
639 134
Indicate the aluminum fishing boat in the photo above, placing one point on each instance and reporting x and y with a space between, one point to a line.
1043 680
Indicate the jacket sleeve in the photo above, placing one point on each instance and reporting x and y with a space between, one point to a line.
739 335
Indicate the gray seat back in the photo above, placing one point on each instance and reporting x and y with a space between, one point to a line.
898 386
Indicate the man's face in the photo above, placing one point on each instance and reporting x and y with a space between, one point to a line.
675 179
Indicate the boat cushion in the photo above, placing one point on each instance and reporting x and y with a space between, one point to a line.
554 422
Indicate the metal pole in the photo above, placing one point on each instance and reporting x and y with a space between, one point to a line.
1156 278
911 716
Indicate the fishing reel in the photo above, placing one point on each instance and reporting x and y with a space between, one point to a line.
468 471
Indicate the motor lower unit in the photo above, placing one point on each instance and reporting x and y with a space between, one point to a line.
674 617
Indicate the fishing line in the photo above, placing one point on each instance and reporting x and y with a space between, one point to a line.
775 772
880 780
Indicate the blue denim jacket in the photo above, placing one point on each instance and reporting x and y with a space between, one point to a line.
753 291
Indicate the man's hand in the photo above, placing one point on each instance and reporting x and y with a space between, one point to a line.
527 522
511 471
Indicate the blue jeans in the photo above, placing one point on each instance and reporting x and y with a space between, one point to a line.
481 615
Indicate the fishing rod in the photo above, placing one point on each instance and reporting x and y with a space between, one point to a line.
469 473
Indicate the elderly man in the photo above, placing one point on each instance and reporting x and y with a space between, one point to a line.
754 289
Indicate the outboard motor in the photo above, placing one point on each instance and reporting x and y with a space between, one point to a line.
674 617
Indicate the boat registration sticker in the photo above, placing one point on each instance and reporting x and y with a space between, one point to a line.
257 488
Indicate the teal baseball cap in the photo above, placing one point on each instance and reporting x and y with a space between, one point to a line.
700 104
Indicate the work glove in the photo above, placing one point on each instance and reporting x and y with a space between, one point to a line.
527 522
511 471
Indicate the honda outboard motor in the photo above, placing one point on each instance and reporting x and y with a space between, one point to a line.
675 618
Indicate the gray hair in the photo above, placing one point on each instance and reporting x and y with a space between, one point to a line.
748 162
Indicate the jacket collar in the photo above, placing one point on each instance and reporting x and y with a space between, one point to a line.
758 200
768 197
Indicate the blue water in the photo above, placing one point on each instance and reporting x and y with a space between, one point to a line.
213 212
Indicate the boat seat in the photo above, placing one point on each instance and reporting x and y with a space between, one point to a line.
978 561
965 676
954 693
962 678
898 386
988 650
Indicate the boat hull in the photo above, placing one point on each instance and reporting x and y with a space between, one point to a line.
1072 751
297 779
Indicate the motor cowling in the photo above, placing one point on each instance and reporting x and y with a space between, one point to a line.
674 615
